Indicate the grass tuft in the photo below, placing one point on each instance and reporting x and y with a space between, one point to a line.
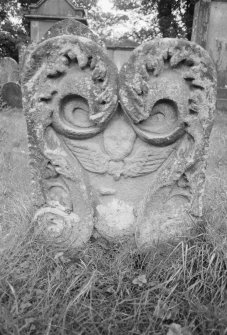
104 289
93 291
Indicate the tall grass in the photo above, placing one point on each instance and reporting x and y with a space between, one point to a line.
171 289
99 290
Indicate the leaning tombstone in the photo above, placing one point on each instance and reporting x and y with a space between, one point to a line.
133 169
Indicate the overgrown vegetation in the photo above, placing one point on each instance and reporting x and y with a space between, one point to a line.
137 20
14 27
175 17
171 289
108 289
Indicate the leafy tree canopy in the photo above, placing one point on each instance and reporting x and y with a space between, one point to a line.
174 16
14 28
87 4
121 25
137 20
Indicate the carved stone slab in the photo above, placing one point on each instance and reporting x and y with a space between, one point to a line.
71 26
129 169
11 93
168 92
9 70
9 78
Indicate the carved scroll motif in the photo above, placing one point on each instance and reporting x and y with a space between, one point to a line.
70 87
128 169
175 78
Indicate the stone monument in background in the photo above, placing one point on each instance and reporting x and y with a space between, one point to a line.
9 82
9 71
209 30
47 13
122 155
44 14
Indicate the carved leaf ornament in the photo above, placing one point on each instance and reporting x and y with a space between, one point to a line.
96 148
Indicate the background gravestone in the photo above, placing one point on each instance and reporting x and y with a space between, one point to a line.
71 26
11 93
9 70
129 170
44 14
9 82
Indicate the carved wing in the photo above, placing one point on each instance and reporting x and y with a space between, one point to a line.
89 155
145 161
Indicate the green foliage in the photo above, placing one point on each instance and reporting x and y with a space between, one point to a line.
187 16
127 5
171 15
139 20
100 20
106 288
46 290
123 25
12 28
87 4
175 17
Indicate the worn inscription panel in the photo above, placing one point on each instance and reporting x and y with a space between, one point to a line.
128 169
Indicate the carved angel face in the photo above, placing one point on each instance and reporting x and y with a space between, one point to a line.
118 138
110 157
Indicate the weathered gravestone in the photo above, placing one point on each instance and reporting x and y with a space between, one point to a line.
45 13
9 86
9 71
129 169
11 93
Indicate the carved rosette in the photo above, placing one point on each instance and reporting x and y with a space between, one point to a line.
133 169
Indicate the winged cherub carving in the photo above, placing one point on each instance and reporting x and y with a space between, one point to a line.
115 158
147 151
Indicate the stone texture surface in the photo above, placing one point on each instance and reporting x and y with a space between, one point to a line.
46 13
134 169
168 90
11 93
56 8
9 71
71 27
9 82
70 93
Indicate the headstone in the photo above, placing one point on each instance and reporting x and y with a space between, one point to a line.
71 26
9 82
11 93
133 169
9 70
45 13
168 90
209 30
